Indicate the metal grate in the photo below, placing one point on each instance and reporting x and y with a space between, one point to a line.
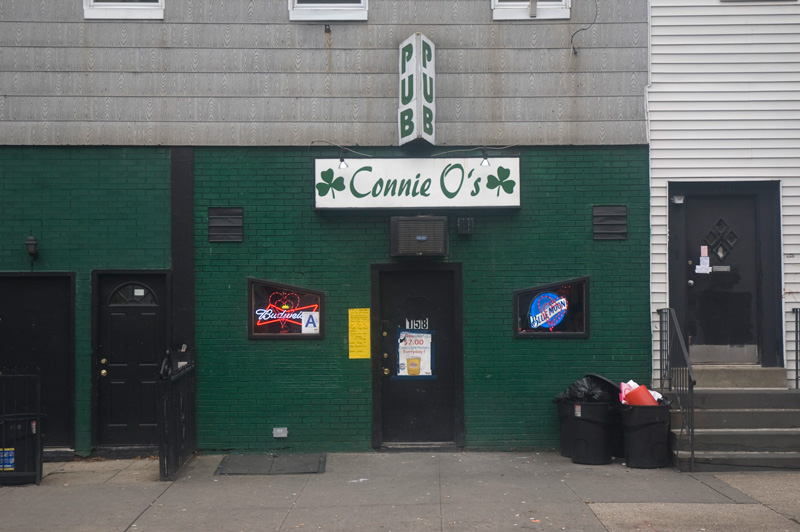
419 236
610 222
176 396
225 224
20 426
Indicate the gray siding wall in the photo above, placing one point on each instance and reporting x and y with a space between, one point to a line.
237 72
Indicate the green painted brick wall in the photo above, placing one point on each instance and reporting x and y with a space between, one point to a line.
90 209
510 383
246 387
108 208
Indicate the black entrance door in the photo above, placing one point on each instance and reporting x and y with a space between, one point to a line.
36 324
131 340
723 261
721 293
418 361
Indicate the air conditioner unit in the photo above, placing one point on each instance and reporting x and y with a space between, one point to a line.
419 236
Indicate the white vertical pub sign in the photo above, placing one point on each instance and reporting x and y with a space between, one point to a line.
416 115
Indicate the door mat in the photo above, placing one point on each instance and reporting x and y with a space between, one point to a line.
268 464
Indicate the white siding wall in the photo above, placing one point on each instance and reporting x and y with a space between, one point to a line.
724 104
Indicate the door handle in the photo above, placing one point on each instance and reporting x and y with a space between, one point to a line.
103 373
690 283
385 371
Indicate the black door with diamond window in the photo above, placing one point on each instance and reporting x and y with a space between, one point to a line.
723 259
721 294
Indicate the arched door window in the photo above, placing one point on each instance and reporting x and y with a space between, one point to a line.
133 294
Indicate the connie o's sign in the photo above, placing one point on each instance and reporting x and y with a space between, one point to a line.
416 183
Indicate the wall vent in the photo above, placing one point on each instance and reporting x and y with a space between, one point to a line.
610 222
419 236
225 224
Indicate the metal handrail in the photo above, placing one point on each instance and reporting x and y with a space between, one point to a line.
177 440
796 348
677 368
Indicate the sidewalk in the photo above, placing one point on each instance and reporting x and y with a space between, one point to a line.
398 492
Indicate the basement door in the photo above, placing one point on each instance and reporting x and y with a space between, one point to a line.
722 253
36 324
417 361
131 341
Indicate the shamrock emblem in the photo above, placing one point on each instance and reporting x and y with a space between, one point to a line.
501 181
330 184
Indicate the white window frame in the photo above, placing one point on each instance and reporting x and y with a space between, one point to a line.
521 9
123 10
344 11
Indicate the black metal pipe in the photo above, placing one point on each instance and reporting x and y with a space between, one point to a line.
796 348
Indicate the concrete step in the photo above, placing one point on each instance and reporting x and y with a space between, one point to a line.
741 440
706 461
740 429
744 418
745 398
739 376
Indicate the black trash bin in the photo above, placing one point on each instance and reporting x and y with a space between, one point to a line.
565 411
646 430
588 413
20 449
594 431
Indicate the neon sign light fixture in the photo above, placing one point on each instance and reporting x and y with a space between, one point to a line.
278 311
283 307
547 310
553 310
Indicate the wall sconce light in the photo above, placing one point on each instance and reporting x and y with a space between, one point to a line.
32 247
342 163
485 161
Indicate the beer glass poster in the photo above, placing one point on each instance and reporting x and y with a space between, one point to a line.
415 353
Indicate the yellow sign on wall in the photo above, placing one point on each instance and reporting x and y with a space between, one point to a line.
358 319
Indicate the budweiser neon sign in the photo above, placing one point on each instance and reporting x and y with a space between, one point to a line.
284 308
283 311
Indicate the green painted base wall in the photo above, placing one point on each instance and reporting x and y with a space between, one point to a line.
90 209
247 387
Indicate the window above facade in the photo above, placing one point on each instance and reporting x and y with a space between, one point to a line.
533 9
328 10
123 9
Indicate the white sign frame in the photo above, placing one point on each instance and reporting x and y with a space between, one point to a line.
417 183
